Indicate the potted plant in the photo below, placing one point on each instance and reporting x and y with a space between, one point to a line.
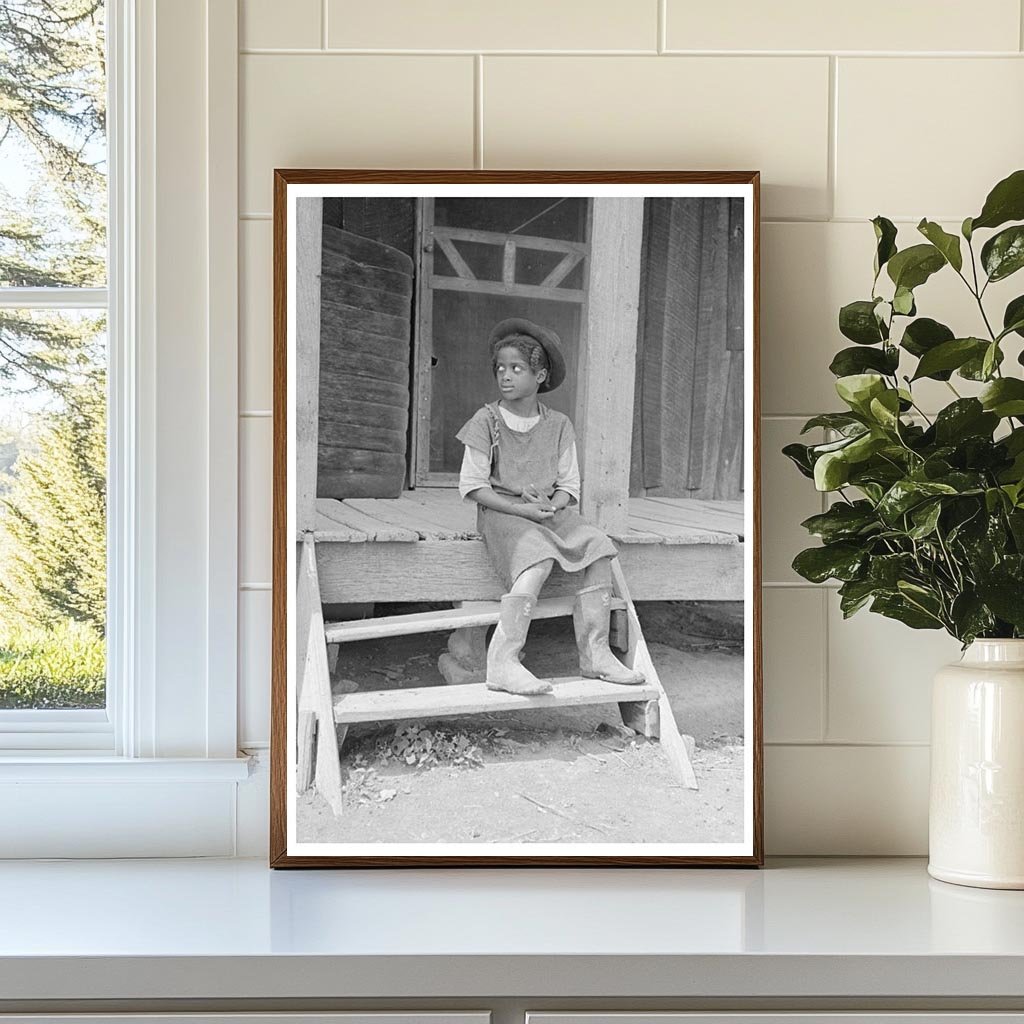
927 521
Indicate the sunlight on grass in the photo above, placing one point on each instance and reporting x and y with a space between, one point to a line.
63 667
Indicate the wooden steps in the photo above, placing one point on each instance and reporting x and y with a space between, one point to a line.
324 718
472 613
472 699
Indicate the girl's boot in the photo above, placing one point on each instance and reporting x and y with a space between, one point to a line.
590 616
504 672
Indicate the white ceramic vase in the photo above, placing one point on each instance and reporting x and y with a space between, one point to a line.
976 812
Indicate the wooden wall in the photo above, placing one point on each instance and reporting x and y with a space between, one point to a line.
688 407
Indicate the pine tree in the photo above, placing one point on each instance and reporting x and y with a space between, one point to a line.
53 123
53 520
52 115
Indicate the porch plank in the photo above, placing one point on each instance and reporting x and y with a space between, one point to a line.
405 514
469 615
475 698
461 571
680 533
715 515
337 516
685 514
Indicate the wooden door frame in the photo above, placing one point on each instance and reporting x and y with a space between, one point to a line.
421 394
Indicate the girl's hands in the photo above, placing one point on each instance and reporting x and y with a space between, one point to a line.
535 496
536 513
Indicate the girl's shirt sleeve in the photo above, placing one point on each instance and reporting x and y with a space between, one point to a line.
568 478
566 436
476 433
475 472
476 458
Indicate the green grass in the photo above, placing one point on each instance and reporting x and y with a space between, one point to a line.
62 667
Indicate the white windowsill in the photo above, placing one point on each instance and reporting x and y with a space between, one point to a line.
77 766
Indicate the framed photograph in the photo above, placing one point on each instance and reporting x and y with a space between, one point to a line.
516 569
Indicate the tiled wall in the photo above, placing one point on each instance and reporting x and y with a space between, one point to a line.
905 109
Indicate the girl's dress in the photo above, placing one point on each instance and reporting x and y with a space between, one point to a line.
519 459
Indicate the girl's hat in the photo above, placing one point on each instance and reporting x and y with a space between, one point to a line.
544 336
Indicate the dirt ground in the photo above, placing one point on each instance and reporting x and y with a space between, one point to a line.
540 776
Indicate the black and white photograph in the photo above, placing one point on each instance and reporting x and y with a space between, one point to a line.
516 615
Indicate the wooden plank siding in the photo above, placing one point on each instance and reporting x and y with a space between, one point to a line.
688 419
308 250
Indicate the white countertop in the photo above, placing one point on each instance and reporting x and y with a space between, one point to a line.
233 928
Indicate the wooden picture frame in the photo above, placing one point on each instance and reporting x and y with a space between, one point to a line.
608 271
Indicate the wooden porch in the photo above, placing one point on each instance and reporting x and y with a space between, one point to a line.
423 546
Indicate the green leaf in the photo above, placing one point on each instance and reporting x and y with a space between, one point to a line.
1015 519
885 409
864 446
841 421
964 481
831 471
966 417
857 321
899 608
995 499
925 518
970 617
1013 317
1015 492
1014 441
799 455
843 521
854 594
872 491
990 360
903 302
965 228
922 597
912 267
850 361
1005 596
906 494
1013 474
947 244
974 368
887 570
885 237
1004 397
817 450
1005 202
950 355
858 389
1003 254
1017 326
923 335
840 561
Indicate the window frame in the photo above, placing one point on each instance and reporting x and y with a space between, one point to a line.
59 730
172 512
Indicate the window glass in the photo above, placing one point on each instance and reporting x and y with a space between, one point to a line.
53 357
53 152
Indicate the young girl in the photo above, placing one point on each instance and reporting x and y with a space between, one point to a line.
520 467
